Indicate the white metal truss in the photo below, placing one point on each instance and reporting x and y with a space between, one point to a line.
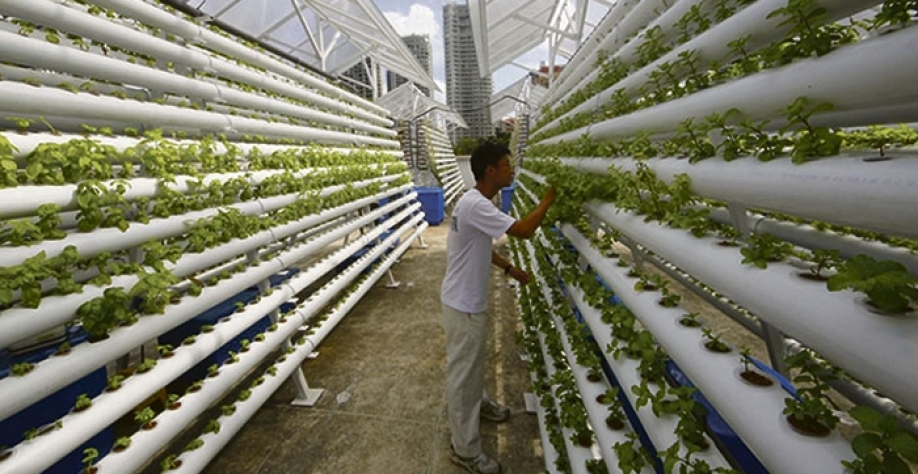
331 35
519 98
407 102
506 29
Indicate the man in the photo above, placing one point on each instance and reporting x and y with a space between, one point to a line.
475 221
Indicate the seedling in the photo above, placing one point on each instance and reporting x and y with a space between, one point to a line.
194 444
114 382
807 412
172 401
213 370
165 350
764 248
22 368
63 349
89 459
240 306
189 340
121 444
823 258
82 402
233 357
145 417
170 462
195 386
244 395
713 341
213 426
146 365
244 345
669 299
228 410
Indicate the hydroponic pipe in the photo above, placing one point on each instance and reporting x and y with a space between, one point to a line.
27 143
113 239
22 98
145 444
23 201
844 190
753 412
854 77
549 452
54 373
20 323
633 19
873 348
588 50
807 236
196 460
70 20
40 54
153 16
751 21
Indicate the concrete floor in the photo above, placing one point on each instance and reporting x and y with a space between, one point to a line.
384 409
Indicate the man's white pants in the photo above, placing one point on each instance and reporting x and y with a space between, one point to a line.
465 358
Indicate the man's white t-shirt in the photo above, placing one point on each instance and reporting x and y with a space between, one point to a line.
475 222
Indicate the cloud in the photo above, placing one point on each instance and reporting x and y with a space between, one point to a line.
423 20
419 20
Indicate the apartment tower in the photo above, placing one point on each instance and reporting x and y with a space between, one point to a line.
466 91
419 45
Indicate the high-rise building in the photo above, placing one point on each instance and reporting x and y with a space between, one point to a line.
419 45
466 91
363 75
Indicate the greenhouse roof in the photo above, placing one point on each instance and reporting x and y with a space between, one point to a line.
331 35
407 102
524 95
506 29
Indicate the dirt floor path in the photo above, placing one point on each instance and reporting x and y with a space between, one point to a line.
384 409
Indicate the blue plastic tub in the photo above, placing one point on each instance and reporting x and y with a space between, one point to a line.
506 198
431 199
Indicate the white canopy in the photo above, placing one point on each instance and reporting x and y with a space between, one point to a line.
331 35
407 102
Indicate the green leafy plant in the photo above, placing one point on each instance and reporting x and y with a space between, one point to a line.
213 426
121 444
82 402
822 259
713 341
170 462
196 443
89 459
810 141
145 417
764 248
22 368
808 411
114 382
888 284
883 447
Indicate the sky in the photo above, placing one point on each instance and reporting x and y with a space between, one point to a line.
426 17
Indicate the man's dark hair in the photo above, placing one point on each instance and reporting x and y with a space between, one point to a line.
487 154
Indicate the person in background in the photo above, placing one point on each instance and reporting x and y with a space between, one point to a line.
474 222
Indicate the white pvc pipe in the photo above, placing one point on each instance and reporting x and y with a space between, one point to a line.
875 349
857 76
711 45
27 143
54 373
755 413
145 444
47 13
197 460
24 200
811 238
41 54
636 17
22 98
158 18
20 323
844 189
113 239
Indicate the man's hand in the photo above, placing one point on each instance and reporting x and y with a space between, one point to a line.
519 275
550 195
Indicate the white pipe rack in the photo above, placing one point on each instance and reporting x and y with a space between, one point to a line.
40 54
20 323
155 17
65 440
196 460
836 325
113 239
853 78
27 143
55 373
753 412
844 189
48 13
711 45
25 99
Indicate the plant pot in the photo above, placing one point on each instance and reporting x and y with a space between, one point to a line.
689 323
119 449
716 346
614 423
149 425
90 470
175 405
603 399
755 378
584 439
808 427
594 376
5 454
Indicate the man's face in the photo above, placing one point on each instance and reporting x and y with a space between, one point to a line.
504 172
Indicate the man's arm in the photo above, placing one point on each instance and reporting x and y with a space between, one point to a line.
509 270
526 227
